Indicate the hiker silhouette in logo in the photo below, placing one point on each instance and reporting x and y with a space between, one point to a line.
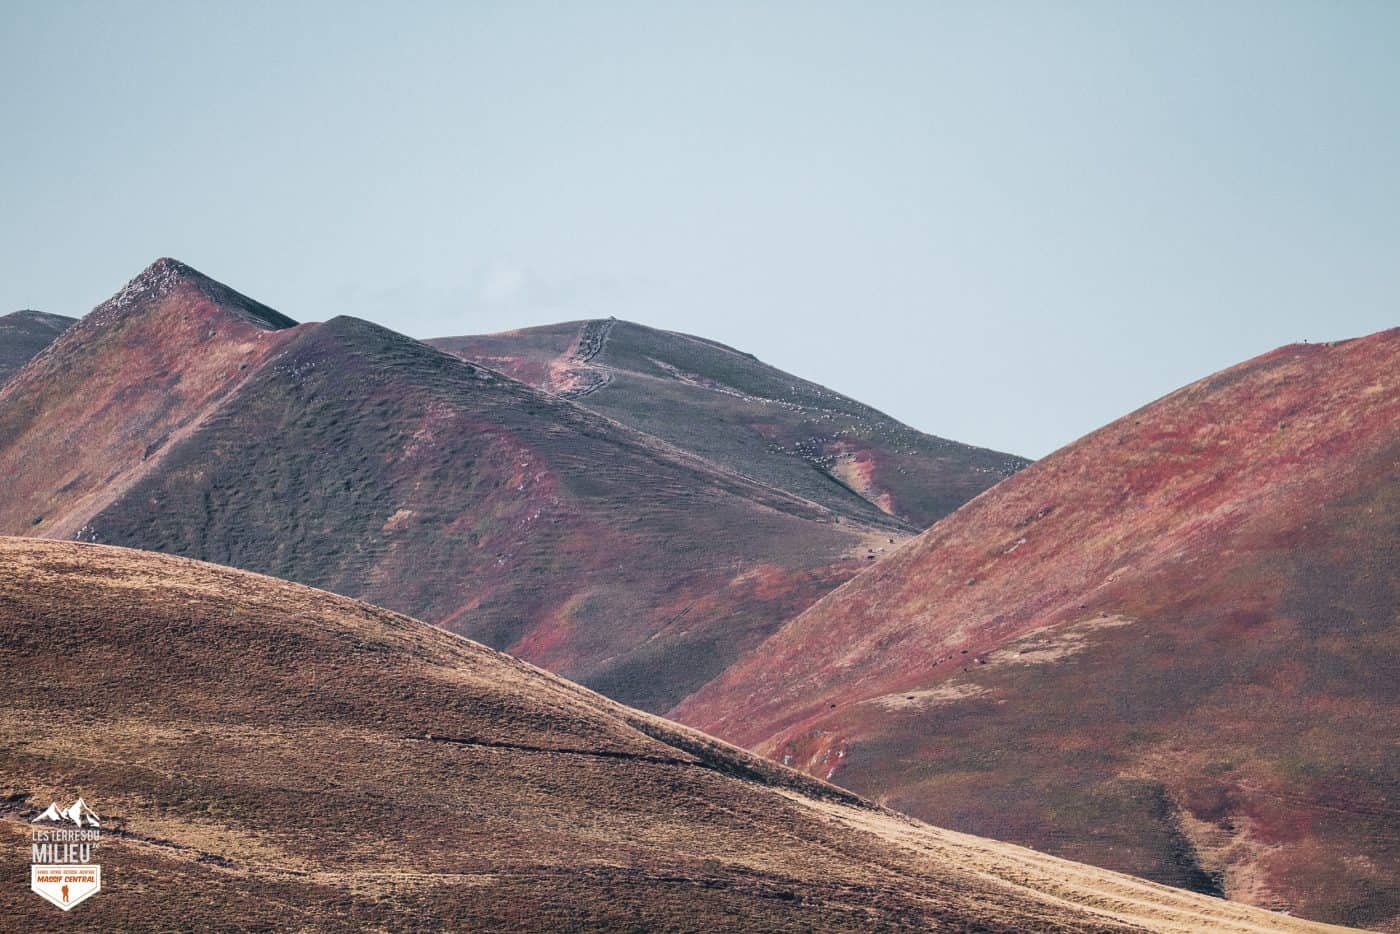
65 891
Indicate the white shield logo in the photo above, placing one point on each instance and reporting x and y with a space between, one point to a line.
65 886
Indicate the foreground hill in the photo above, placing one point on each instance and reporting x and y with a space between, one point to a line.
265 755
23 334
183 417
729 408
1169 648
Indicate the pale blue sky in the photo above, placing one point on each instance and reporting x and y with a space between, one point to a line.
1005 223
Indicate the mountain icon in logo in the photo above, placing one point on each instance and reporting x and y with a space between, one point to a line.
76 812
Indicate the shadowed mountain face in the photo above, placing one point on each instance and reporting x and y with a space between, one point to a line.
731 409
1170 648
23 334
184 418
268 756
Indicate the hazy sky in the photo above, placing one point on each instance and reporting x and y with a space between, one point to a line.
1005 223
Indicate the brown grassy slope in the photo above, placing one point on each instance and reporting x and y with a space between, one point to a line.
23 334
265 755
366 463
95 410
1169 648
732 409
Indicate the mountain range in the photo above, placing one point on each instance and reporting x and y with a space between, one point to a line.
1168 649
181 416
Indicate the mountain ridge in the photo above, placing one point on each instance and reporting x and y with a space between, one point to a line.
729 407
344 455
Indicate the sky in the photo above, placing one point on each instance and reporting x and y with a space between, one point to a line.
1003 223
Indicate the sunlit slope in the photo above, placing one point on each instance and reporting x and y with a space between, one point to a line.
267 755
81 421
1169 648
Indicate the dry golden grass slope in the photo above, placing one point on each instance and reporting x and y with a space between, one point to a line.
265 755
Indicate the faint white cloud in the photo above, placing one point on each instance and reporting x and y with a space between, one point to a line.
505 284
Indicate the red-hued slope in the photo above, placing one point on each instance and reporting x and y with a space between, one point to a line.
97 409
1170 648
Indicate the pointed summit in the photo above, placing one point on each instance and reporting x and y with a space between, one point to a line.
166 275
101 402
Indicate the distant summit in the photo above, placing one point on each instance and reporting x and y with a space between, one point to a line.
167 275
23 334
85 417
730 408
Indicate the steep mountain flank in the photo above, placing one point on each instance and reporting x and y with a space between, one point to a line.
97 409
1169 648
